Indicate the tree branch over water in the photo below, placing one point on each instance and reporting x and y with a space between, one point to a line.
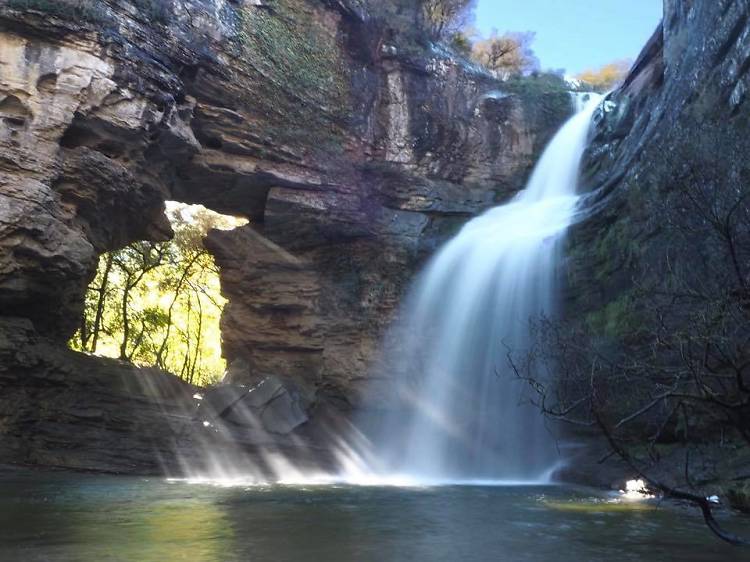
668 388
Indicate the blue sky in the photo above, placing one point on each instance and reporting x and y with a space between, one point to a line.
575 34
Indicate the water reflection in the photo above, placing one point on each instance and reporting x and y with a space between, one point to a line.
93 518
97 518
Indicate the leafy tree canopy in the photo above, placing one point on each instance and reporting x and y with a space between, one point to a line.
606 77
159 304
506 55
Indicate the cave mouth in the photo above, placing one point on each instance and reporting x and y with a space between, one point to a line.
159 304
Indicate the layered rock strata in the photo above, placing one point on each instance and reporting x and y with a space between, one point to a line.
352 150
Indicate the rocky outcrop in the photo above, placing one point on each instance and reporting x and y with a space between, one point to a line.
683 107
61 207
270 406
60 408
666 166
352 149
63 409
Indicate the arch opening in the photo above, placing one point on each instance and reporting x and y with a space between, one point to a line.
159 304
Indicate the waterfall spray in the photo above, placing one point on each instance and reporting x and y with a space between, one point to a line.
458 413
461 414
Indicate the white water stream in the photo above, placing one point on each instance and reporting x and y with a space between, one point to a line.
462 415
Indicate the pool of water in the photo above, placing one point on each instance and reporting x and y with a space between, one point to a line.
73 517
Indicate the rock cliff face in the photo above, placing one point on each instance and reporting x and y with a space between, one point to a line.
668 157
683 109
353 153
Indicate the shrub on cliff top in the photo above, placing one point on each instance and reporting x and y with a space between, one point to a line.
538 84
414 24
606 77
506 55
445 17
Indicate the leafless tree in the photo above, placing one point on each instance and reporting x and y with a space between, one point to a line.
506 55
673 388
444 17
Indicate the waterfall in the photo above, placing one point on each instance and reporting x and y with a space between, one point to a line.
456 413
463 415
581 100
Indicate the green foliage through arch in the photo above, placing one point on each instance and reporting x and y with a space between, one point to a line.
159 303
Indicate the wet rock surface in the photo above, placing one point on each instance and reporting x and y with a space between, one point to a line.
270 405
684 95
679 123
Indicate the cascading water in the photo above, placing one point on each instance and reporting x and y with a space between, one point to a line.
462 416
581 100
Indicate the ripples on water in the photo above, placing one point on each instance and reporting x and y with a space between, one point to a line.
63 517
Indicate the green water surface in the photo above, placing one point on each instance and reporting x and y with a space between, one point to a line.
72 517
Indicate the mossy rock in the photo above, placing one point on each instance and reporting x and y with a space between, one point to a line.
81 11
616 319
739 496
301 81
157 11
